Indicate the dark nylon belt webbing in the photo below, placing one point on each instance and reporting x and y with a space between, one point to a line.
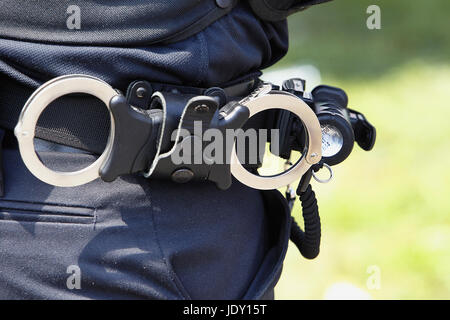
82 121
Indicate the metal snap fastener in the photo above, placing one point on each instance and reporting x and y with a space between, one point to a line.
224 4
202 108
140 92
182 175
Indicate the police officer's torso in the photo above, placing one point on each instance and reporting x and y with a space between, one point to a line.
113 22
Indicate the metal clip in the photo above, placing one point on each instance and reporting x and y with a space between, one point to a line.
324 180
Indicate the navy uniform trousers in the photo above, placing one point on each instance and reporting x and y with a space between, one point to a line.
137 237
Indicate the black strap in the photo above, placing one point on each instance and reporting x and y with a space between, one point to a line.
78 121
82 121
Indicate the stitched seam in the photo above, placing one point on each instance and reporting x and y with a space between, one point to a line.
183 34
95 218
44 213
48 204
36 221
204 58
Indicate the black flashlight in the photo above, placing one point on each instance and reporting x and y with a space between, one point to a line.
338 138
341 126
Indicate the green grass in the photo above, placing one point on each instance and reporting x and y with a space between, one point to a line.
389 207
334 36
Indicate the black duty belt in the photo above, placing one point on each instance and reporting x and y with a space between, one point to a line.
152 123
82 121
145 140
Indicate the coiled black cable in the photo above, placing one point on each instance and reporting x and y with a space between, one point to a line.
308 241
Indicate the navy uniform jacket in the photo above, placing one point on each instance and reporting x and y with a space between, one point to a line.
134 238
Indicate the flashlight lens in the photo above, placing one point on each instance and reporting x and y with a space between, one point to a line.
332 140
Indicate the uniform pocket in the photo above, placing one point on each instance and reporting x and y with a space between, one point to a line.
45 212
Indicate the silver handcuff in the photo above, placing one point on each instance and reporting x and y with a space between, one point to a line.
261 100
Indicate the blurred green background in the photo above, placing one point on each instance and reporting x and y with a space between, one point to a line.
386 215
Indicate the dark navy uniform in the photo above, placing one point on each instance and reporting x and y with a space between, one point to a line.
135 237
